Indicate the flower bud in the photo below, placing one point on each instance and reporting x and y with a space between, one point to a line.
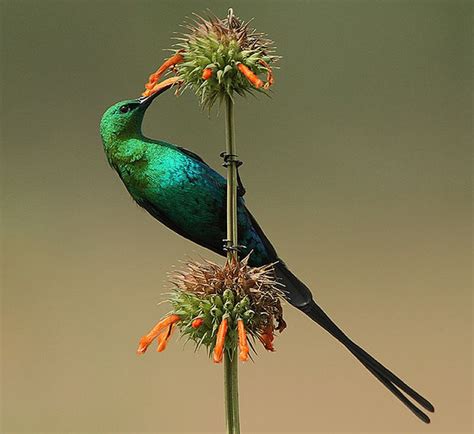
197 323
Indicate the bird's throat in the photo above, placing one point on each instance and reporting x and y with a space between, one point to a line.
127 151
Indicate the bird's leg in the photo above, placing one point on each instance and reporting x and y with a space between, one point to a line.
155 77
229 247
228 159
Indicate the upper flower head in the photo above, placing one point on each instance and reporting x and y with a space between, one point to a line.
218 57
223 56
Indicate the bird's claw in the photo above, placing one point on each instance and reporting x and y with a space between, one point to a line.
229 247
229 159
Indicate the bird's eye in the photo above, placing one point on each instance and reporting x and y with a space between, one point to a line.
125 109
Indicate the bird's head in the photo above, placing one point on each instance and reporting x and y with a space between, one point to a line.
124 119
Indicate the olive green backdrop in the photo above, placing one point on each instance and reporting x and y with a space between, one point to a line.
358 168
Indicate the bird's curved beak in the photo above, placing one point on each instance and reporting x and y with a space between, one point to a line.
158 90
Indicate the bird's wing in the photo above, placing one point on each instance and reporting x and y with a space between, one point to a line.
271 254
240 187
191 154
168 222
250 233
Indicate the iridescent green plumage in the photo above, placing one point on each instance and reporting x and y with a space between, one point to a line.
175 185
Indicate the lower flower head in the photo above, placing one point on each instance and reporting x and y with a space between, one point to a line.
234 292
220 306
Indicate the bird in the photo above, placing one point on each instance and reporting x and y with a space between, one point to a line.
179 189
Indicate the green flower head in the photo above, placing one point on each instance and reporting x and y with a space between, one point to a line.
219 306
219 57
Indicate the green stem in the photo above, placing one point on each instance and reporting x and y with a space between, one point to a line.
231 382
232 237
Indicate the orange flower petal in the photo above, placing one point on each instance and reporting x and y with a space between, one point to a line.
164 337
206 73
158 86
270 78
197 323
243 344
169 63
249 75
173 60
220 341
146 340
266 338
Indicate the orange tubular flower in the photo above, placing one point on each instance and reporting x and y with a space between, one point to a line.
164 337
159 86
206 73
154 78
146 340
270 78
220 341
266 338
250 76
243 344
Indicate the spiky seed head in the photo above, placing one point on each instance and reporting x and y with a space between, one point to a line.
211 292
213 49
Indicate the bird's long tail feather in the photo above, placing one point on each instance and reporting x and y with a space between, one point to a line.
300 296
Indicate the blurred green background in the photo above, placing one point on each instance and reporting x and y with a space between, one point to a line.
358 168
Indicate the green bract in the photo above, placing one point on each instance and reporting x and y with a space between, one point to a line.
212 309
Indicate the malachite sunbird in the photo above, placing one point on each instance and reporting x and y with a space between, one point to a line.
181 191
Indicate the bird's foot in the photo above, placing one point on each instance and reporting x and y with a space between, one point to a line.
229 159
230 247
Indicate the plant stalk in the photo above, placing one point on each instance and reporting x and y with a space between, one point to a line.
231 382
232 236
